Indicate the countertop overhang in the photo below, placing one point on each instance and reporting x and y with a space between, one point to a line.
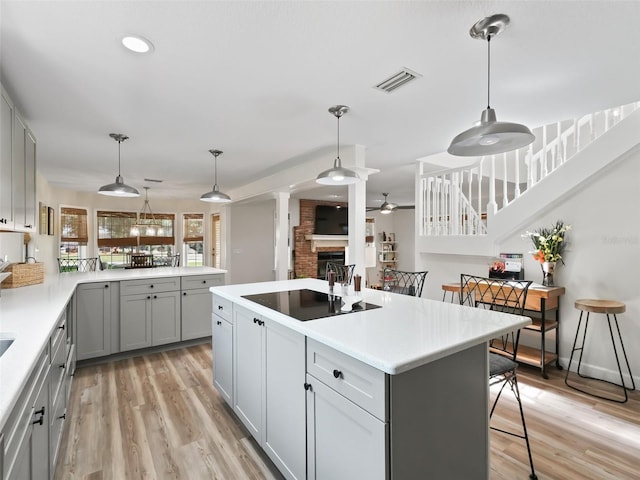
30 314
405 333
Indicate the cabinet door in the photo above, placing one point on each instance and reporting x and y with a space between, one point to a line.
165 318
6 149
248 378
18 172
285 410
135 322
223 358
30 181
196 313
93 320
343 440
40 434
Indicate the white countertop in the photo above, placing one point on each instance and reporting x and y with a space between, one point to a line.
30 314
405 333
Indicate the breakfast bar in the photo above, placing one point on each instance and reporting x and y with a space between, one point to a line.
397 387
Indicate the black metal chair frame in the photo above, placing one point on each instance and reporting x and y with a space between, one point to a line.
79 264
508 296
615 351
406 283
344 273
167 261
141 261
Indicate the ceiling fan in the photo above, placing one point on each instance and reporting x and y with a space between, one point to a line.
388 207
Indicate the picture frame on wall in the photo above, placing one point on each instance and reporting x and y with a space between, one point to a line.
51 221
43 224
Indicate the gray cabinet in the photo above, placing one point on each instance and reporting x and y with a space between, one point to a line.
26 432
222 341
96 318
6 155
17 170
269 397
347 396
196 305
150 318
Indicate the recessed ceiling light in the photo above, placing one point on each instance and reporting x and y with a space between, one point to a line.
137 44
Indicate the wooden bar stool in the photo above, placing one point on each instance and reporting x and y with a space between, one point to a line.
609 308
451 288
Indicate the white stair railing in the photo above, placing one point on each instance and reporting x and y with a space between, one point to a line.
456 201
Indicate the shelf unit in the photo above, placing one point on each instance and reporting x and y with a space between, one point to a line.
387 257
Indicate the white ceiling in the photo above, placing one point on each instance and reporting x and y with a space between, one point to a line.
255 79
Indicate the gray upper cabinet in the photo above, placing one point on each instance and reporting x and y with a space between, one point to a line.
17 171
6 155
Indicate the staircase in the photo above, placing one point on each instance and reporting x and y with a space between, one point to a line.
473 208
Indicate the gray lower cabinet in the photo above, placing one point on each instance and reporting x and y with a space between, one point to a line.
96 319
26 433
268 383
151 318
196 305
222 340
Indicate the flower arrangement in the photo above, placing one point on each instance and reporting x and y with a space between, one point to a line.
549 243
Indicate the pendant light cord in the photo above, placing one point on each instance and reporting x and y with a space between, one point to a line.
338 144
119 142
488 71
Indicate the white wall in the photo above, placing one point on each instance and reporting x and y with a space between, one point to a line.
251 247
602 261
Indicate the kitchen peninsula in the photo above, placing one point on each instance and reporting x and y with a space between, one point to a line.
91 315
394 392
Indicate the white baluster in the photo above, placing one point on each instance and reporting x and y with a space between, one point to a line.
505 198
469 197
481 208
492 186
517 175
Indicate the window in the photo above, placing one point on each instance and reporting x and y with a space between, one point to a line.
216 239
159 246
73 233
115 242
193 241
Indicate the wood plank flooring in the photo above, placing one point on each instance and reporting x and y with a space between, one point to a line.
159 417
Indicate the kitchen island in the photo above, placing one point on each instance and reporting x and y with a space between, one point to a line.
395 392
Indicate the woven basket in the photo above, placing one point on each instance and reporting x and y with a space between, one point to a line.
23 274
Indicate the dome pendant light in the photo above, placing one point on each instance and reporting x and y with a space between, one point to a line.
338 175
215 195
119 188
490 137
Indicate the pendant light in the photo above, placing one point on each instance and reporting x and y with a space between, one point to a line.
119 188
338 175
146 228
215 195
490 137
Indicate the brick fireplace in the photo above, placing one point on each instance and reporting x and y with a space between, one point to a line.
306 260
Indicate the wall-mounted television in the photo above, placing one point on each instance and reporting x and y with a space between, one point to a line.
331 220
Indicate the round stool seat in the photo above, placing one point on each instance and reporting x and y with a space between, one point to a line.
600 306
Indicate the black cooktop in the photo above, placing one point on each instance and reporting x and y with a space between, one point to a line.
306 304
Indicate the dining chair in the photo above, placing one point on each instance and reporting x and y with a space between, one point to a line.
344 273
141 261
508 296
406 283
79 264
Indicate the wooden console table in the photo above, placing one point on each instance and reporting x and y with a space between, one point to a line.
543 301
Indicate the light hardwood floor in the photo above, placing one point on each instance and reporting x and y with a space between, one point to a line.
159 417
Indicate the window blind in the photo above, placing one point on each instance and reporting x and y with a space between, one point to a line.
193 227
73 225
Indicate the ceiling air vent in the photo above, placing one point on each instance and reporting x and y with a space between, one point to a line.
397 80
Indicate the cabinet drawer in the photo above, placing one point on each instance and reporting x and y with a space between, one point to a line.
202 281
162 284
58 415
58 363
362 384
222 307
